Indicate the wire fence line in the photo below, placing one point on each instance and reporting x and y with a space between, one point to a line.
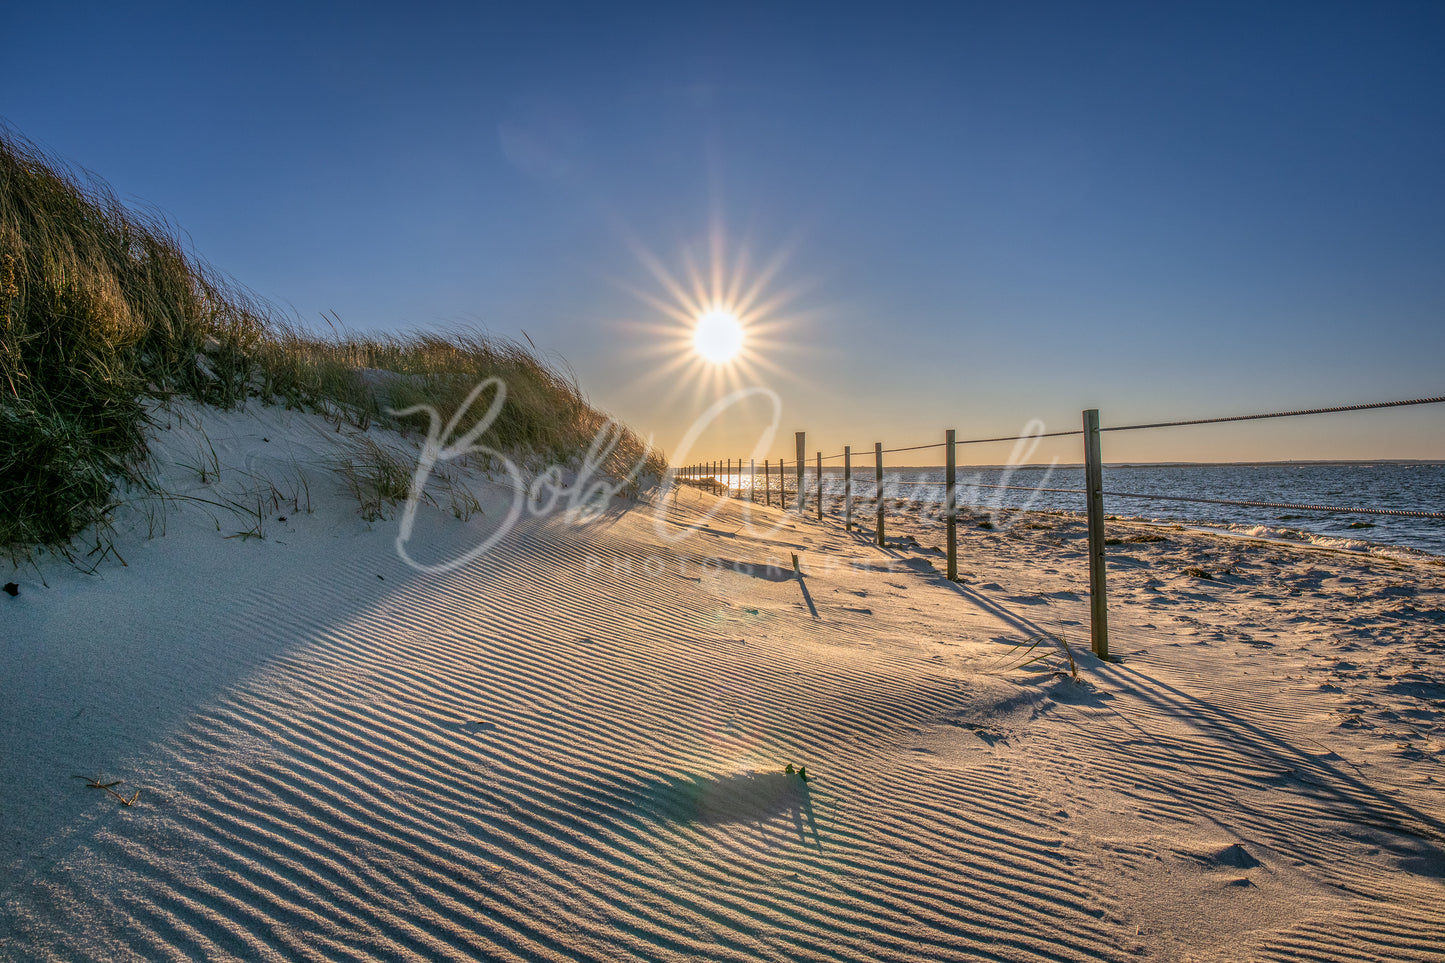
1145 496
1282 414
1223 419
709 474
897 484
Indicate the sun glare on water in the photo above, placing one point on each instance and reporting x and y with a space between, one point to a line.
718 336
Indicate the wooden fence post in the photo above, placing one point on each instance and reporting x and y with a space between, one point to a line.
753 480
878 455
950 504
1094 496
801 438
847 489
820 486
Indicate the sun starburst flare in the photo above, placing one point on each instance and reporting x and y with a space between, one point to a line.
719 325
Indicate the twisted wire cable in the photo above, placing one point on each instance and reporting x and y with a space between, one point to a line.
1281 414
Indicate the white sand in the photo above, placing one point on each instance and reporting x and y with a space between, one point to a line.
572 748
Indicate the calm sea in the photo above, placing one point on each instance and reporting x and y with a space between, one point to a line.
1411 487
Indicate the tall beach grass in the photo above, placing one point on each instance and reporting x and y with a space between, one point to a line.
102 307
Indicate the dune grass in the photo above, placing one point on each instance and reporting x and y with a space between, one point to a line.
102 307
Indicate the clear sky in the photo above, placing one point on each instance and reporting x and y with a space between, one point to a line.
962 215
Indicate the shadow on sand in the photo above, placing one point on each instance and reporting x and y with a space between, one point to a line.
747 797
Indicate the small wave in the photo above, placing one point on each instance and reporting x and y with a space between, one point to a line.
1266 531
1329 541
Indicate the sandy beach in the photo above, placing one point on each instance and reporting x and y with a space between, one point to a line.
573 747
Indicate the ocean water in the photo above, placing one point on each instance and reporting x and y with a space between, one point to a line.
1384 485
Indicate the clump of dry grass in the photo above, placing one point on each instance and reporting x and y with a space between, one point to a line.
1027 653
378 476
98 306
101 307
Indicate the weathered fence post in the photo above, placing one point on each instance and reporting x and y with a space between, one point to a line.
1094 496
767 485
950 506
847 489
753 480
801 438
820 486
878 456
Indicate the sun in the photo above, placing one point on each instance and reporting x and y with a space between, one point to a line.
718 336
719 325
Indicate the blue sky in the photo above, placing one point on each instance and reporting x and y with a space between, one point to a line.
953 215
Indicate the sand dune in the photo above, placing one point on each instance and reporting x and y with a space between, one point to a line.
573 748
